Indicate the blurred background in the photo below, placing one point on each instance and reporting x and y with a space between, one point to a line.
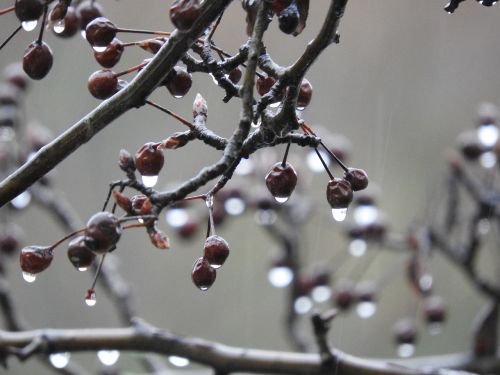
405 80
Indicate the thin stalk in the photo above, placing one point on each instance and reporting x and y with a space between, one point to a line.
324 164
132 69
169 112
42 27
7 10
11 36
283 163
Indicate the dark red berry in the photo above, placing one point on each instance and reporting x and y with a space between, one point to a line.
58 12
102 232
434 310
37 60
149 159
264 84
357 178
100 32
79 254
305 94
288 19
344 296
87 11
183 13
405 332
34 259
103 84
71 23
28 10
216 250
203 275
281 180
235 75
339 193
178 82
111 55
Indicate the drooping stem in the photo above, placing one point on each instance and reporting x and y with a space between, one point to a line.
10 36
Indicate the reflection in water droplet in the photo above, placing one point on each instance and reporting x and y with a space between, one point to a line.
234 206
91 300
99 49
339 214
149 181
357 247
82 269
22 200
59 27
302 305
366 309
488 134
29 25
178 361
406 350
280 277
314 163
108 357
281 200
203 288
177 217
321 293
59 360
29 277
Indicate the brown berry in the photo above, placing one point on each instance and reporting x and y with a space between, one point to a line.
178 82
71 23
103 84
28 10
235 75
305 94
203 275
183 13
35 259
79 253
339 193
216 251
111 55
288 19
37 60
149 159
357 178
87 11
100 32
281 180
102 232
264 84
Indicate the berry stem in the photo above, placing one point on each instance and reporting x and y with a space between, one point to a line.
214 27
99 268
11 36
132 69
42 27
81 230
150 32
7 10
324 164
339 162
194 197
169 112
283 163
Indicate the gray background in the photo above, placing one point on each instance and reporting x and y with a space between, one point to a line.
405 80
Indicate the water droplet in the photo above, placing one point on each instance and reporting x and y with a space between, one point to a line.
90 299
300 108
176 217
234 206
209 201
321 293
302 305
140 220
406 350
29 277
149 181
366 309
82 269
99 49
59 360
280 277
435 328
22 200
275 104
357 247
281 200
365 214
265 217
215 266
488 159
108 357
425 282
244 168
314 163
178 96
488 134
29 25
59 27
203 288
339 214
83 34
178 361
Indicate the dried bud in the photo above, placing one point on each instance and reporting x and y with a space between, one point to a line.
123 201
200 107
152 45
183 13
177 140
126 161
159 239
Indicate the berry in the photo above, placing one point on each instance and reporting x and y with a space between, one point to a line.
141 204
183 13
264 84
37 60
405 332
203 275
102 232
281 180
71 24
178 82
305 94
339 193
216 251
34 259
188 230
235 75
111 55
344 295
79 254
288 19
434 310
103 84
357 178
100 32
149 159
87 11
28 10
58 12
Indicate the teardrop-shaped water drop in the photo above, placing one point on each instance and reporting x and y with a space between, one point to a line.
90 299
281 200
59 27
22 200
215 266
149 181
99 49
82 269
29 277
29 25
178 361
339 214
59 360
108 357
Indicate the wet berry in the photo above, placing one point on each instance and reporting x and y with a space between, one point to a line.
100 32
216 250
103 84
264 84
305 94
178 82
87 11
35 259
149 159
58 12
288 19
28 10
203 275
339 193
281 180
71 24
357 178
79 254
102 232
111 55
37 60
235 75
183 13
